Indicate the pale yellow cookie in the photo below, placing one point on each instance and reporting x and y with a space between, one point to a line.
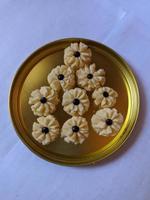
90 79
46 130
75 130
43 101
105 97
77 55
61 77
75 101
107 122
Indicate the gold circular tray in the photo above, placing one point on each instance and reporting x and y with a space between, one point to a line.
33 74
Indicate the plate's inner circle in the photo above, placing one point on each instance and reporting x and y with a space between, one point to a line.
37 77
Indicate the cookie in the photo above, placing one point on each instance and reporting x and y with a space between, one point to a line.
75 130
77 55
90 79
107 122
43 101
61 77
75 102
104 97
45 130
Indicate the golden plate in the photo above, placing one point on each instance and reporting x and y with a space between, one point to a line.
33 74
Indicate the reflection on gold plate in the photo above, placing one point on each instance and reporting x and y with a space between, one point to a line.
33 74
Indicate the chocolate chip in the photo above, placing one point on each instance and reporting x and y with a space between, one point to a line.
76 102
43 100
60 77
45 130
109 122
75 129
77 54
105 94
90 76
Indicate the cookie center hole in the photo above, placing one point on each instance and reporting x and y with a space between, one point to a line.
43 100
45 130
76 102
60 77
77 54
109 122
105 94
75 129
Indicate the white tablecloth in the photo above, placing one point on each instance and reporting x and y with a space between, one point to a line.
123 25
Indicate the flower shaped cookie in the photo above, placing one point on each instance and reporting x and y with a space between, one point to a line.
43 101
107 122
46 130
75 130
61 76
89 79
104 97
75 101
77 55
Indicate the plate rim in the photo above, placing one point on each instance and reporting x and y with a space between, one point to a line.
112 52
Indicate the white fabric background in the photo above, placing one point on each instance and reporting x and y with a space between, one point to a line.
123 25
